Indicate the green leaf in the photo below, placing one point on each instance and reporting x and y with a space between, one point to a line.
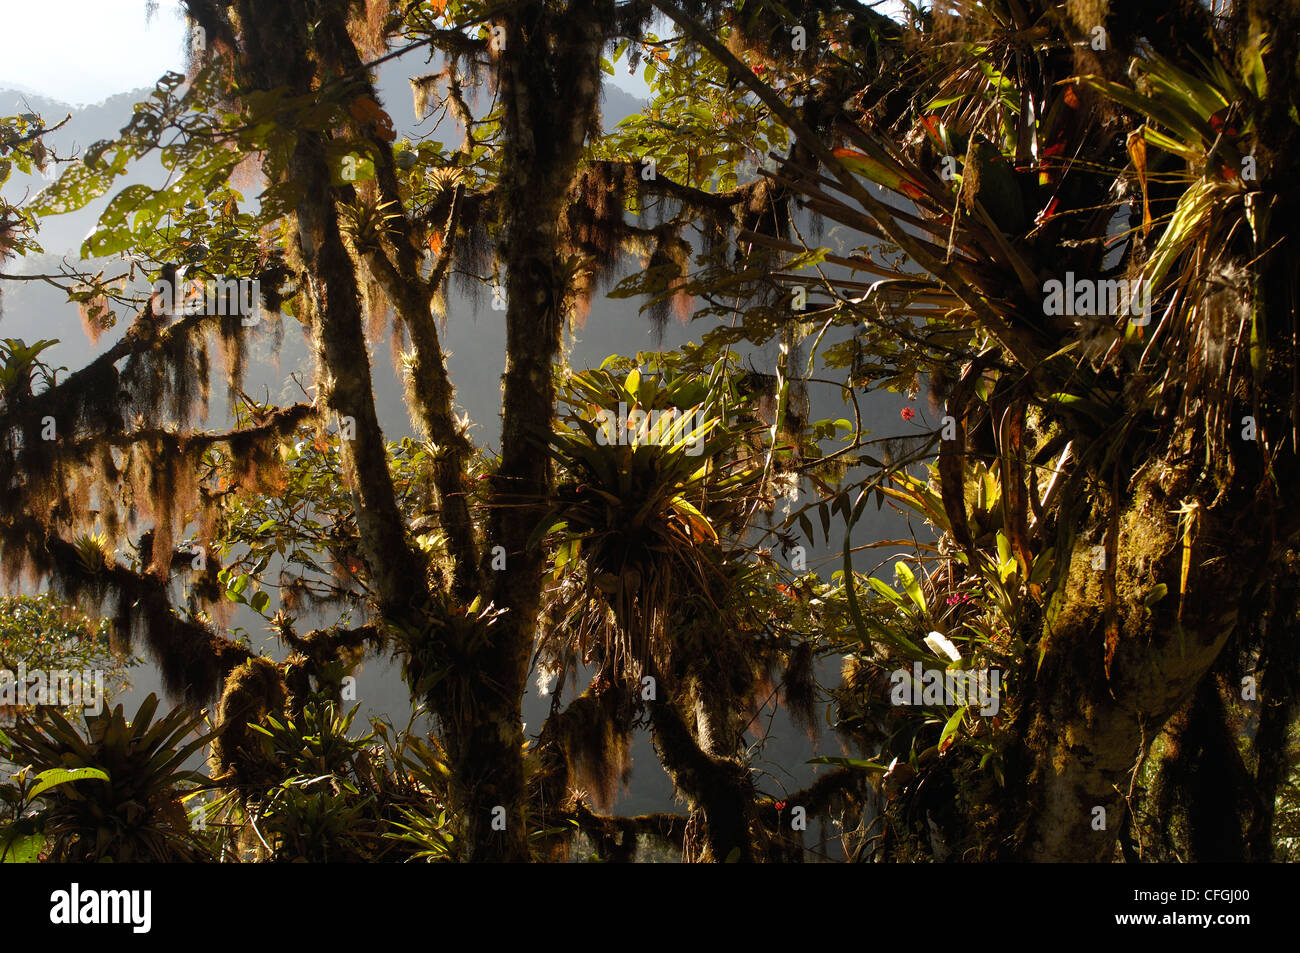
23 849
885 590
882 173
850 763
259 601
943 101
807 259
1252 69
1258 340
56 776
953 724
910 585
564 553
77 187
999 192
1157 593
1004 550
806 527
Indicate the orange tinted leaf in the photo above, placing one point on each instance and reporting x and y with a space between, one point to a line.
365 109
911 189
1137 150
879 172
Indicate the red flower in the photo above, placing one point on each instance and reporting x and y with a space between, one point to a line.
907 413
1218 123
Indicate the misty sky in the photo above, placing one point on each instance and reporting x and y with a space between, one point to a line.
83 51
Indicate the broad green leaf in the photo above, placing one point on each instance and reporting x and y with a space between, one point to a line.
885 590
56 776
23 849
910 585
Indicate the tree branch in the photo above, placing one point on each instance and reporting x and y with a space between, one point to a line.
397 269
192 657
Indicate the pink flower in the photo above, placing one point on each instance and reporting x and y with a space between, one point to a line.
907 413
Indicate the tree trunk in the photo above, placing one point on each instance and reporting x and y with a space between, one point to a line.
278 55
719 787
1279 697
1081 728
549 85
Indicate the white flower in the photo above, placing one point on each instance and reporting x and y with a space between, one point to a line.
940 645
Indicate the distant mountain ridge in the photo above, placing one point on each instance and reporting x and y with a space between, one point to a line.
88 122
86 125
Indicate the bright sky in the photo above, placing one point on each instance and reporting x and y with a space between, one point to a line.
83 51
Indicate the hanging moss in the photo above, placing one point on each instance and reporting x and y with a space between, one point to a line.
251 691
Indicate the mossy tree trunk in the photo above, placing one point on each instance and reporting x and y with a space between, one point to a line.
719 786
279 55
1093 710
1279 692
549 85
